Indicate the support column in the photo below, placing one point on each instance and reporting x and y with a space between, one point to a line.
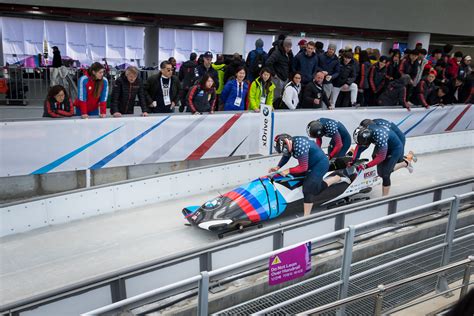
234 36
151 46
2 62
415 37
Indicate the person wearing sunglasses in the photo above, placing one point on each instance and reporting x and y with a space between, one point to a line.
162 90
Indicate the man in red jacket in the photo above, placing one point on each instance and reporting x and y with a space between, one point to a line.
453 65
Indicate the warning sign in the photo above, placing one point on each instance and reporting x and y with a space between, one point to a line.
289 265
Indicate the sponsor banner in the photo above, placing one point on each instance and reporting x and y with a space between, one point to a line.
265 139
42 146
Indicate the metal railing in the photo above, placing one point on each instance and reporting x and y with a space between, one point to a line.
203 256
382 289
205 278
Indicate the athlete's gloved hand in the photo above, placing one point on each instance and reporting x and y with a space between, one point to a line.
274 169
361 167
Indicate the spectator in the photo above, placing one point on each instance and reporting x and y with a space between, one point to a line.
279 63
357 51
256 60
465 67
396 93
234 95
93 91
418 46
186 76
206 67
319 48
125 90
261 90
409 65
440 68
453 65
375 56
57 103
439 96
422 62
307 63
461 90
424 88
363 77
162 90
172 61
230 70
447 49
291 92
276 43
302 45
202 96
346 80
377 79
313 93
329 65
436 55
219 66
393 66
57 60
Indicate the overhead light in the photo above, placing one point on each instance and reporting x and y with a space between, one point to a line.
35 12
122 18
201 24
272 30
35 8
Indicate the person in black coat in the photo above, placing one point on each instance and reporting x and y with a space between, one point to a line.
346 79
57 60
206 68
162 90
279 63
124 92
396 93
313 93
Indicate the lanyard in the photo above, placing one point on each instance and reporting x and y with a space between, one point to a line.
165 87
239 89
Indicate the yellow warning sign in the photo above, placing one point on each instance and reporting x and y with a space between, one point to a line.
276 260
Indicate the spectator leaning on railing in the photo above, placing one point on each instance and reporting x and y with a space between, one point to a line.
57 103
162 90
313 93
92 92
261 90
202 96
234 95
291 92
124 91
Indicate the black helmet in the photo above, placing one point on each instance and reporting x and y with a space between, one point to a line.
281 144
366 122
362 136
315 129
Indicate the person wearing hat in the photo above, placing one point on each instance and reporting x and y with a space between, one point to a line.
453 65
424 88
256 60
302 45
465 68
330 66
279 63
205 68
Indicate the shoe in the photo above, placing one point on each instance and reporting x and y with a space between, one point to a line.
409 166
355 105
411 156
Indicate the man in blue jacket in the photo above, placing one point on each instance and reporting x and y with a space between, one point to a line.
329 65
307 63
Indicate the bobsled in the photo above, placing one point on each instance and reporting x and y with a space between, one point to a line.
269 197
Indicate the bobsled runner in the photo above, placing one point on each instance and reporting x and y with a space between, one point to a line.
269 197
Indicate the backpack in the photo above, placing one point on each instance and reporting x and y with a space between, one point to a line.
257 64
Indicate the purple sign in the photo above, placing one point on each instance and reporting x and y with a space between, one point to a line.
289 265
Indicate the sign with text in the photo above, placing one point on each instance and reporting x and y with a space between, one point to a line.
265 139
290 264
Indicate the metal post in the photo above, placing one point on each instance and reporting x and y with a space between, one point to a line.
203 294
88 178
346 267
442 282
467 276
379 300
278 239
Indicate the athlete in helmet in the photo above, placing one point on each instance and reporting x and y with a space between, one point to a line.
398 132
312 162
340 137
388 151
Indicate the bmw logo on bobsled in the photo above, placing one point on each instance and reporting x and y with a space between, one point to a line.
268 197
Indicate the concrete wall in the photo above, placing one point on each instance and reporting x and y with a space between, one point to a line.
440 16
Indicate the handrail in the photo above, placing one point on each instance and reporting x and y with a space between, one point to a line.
233 241
383 288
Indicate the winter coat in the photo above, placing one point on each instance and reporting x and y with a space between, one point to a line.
347 75
56 110
201 70
201 100
394 94
408 68
453 68
393 70
377 78
363 75
86 100
313 91
255 94
57 60
307 65
220 68
153 92
65 77
230 93
186 74
230 70
124 94
291 95
255 61
329 64
280 63
423 90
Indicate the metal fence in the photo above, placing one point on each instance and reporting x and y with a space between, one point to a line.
22 86
205 278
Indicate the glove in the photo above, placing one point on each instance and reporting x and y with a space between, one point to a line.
361 167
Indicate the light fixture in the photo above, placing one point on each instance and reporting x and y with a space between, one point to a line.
35 8
201 24
36 12
122 18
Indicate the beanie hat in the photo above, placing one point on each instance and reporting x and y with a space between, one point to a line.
259 43
302 42
287 42
332 46
433 72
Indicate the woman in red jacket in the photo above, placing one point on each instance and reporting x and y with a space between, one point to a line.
93 90
57 103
